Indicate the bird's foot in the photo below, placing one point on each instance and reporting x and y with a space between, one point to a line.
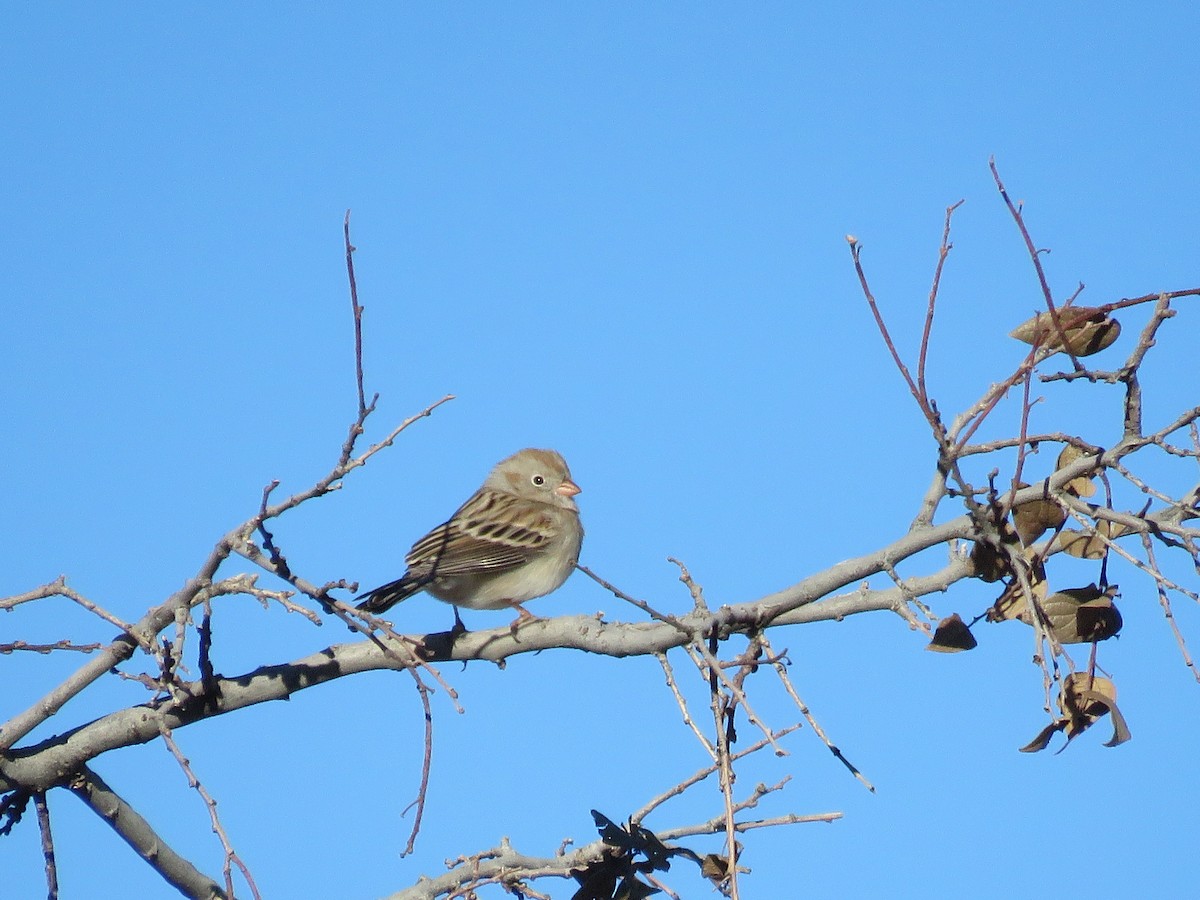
523 616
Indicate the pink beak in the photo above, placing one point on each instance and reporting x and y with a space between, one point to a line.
568 488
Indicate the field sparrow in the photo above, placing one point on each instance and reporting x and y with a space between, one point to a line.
517 538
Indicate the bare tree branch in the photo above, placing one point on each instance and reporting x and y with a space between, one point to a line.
506 866
137 832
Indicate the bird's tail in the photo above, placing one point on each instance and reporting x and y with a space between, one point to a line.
385 597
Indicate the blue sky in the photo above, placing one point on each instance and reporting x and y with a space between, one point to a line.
617 230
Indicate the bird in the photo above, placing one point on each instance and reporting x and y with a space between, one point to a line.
516 538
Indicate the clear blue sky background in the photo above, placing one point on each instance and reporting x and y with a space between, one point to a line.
617 230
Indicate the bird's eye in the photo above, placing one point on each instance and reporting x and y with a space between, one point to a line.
538 480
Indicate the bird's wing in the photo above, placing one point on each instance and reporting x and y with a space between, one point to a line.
491 532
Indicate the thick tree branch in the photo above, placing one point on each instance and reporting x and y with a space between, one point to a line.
137 832
49 762
41 766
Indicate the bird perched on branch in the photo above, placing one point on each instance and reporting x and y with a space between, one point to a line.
516 538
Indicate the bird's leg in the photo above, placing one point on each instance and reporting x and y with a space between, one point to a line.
523 616
459 627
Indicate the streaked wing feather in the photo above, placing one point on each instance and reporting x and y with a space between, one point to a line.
484 534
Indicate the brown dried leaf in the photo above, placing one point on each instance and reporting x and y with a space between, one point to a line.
1035 518
988 562
1083 700
952 636
991 563
1088 330
1121 732
1081 486
714 867
1068 455
1091 545
1098 620
1042 741
1011 603
1083 615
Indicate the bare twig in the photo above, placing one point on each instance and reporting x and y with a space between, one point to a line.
722 712
715 826
902 608
621 595
426 763
53 589
704 773
1165 602
694 589
1035 257
43 815
943 252
363 408
231 857
64 644
683 707
918 395
706 661
59 588
786 681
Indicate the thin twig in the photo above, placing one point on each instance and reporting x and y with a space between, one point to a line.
423 691
358 311
59 588
785 679
717 826
1111 545
1035 256
1165 602
922 402
43 815
64 644
231 857
52 589
705 660
411 646
683 708
907 597
704 773
621 595
725 768
694 589
943 252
